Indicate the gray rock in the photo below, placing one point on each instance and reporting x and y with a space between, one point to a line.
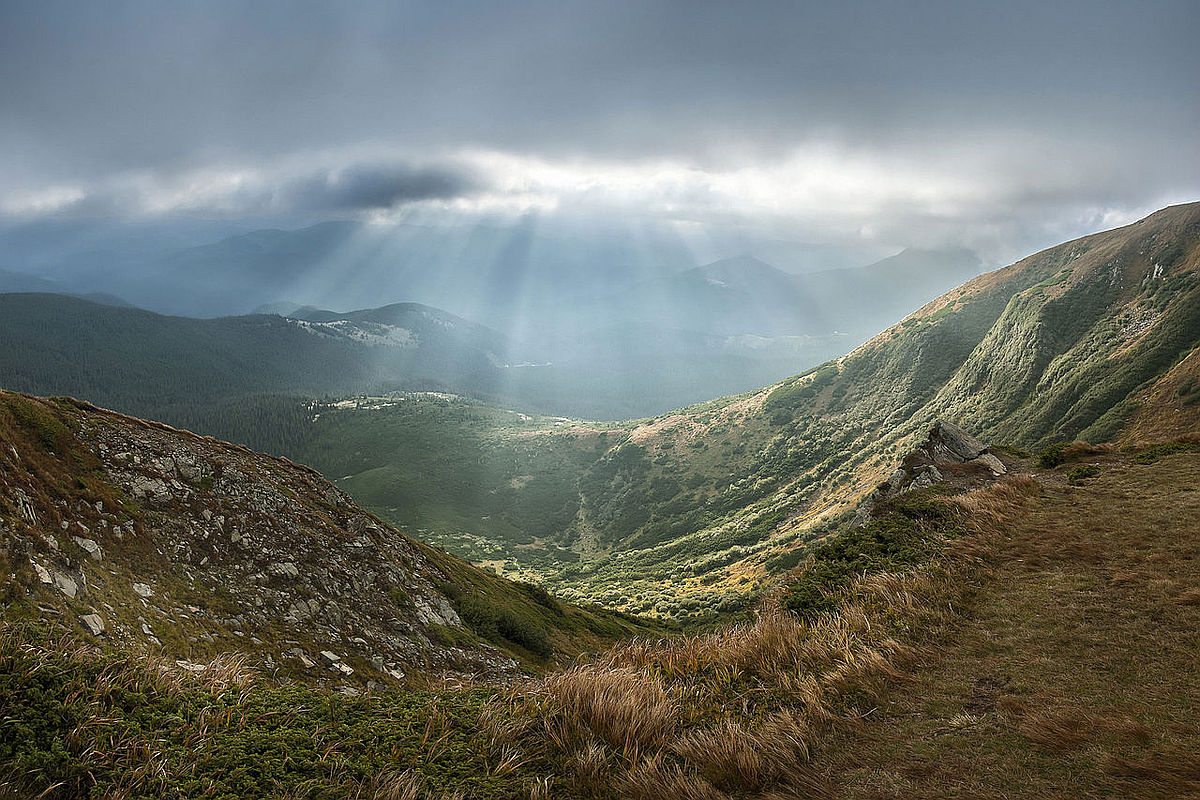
992 463
92 623
90 547
142 590
297 653
24 505
927 477
948 442
149 488
285 568
66 584
43 574
435 610
329 658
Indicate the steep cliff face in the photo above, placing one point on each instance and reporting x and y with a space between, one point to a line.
155 538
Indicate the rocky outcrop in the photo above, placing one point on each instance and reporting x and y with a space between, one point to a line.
946 446
164 538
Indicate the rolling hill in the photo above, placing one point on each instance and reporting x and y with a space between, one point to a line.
165 542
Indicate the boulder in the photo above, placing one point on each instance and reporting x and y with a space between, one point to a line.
66 584
991 462
948 442
90 547
92 623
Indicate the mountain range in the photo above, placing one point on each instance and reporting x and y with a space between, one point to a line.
592 338
1094 339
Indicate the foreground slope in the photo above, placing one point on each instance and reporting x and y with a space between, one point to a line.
158 540
1072 670
1027 636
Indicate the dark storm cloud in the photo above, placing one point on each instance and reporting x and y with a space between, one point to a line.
375 187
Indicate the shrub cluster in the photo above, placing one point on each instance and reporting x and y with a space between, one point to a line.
901 535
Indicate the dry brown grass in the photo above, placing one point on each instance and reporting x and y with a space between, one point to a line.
406 785
740 712
630 712
1071 674
1063 729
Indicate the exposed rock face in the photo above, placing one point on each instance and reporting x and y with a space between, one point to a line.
947 444
243 551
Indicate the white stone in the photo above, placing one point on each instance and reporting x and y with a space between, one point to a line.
43 574
90 546
66 584
93 623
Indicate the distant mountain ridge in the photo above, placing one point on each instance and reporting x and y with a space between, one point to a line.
181 369
559 294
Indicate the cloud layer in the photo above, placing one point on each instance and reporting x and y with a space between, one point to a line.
911 123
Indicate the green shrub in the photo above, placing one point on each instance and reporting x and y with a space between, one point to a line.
1053 455
903 535
1082 472
525 632
1155 452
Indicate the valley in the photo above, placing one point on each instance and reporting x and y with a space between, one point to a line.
697 510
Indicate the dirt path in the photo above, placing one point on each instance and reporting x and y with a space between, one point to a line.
1076 672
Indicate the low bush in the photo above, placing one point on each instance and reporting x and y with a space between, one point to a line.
1157 451
79 722
900 536
1082 472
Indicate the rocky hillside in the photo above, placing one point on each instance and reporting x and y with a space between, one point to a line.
154 539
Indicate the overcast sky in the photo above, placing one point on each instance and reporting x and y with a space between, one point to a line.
1000 125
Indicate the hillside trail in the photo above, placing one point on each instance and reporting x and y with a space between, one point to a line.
1076 670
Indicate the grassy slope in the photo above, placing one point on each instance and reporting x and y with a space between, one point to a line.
1073 671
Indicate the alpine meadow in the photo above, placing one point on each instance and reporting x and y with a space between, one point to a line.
599 401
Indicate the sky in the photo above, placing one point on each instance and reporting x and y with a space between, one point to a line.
1005 127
